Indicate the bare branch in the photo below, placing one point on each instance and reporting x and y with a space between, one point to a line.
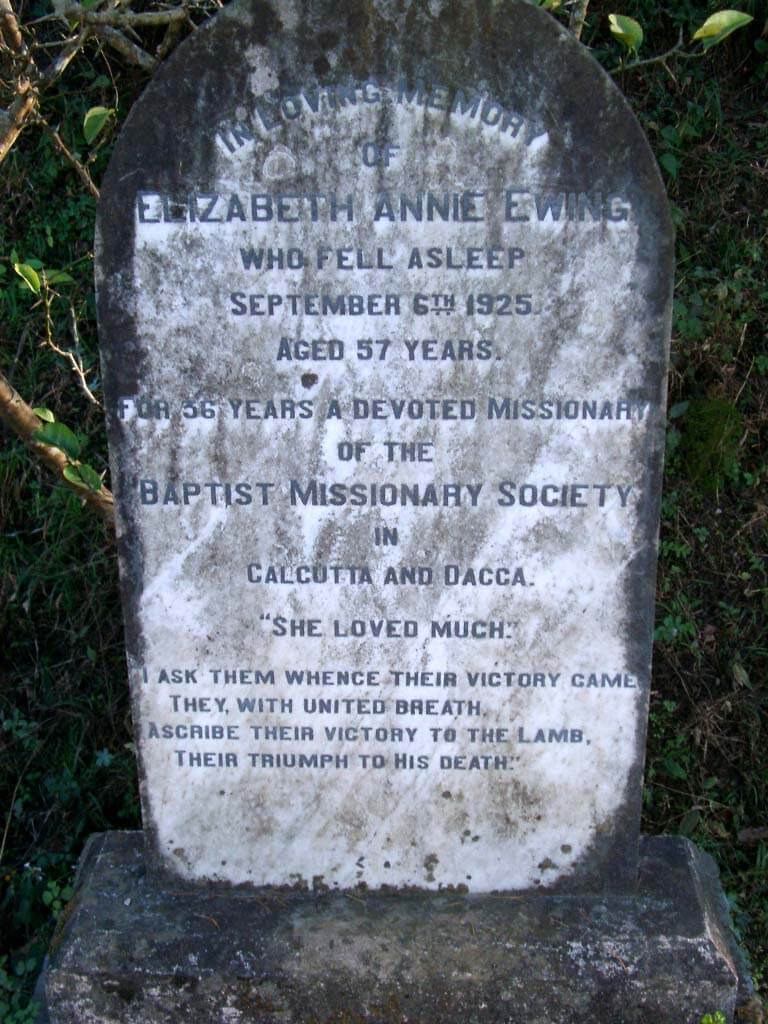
14 119
170 38
21 419
9 27
130 51
125 19
62 62
577 17
752 836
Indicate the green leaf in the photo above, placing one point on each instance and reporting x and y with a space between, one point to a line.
58 277
740 675
89 476
44 414
689 821
718 26
29 275
670 163
72 474
678 409
626 30
674 769
94 121
671 134
59 436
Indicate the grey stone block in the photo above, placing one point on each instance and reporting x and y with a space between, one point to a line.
128 950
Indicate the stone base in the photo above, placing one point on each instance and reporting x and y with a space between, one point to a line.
127 950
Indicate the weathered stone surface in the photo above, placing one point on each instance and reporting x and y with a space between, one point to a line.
133 953
461 181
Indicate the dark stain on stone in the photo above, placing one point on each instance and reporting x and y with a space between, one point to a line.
308 380
327 40
124 990
430 863
265 20
187 982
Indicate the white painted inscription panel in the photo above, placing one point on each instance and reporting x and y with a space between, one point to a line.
386 458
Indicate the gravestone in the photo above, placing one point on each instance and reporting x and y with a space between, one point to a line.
385 360
384 303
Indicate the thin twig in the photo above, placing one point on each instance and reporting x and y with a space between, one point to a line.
673 51
68 155
9 816
74 361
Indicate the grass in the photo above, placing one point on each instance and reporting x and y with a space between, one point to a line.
66 762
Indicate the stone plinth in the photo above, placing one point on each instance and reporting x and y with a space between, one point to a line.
134 952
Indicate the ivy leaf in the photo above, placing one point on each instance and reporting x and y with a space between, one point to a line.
44 414
29 276
94 121
678 410
103 758
670 163
671 767
89 476
82 475
689 821
627 30
59 436
718 26
72 475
